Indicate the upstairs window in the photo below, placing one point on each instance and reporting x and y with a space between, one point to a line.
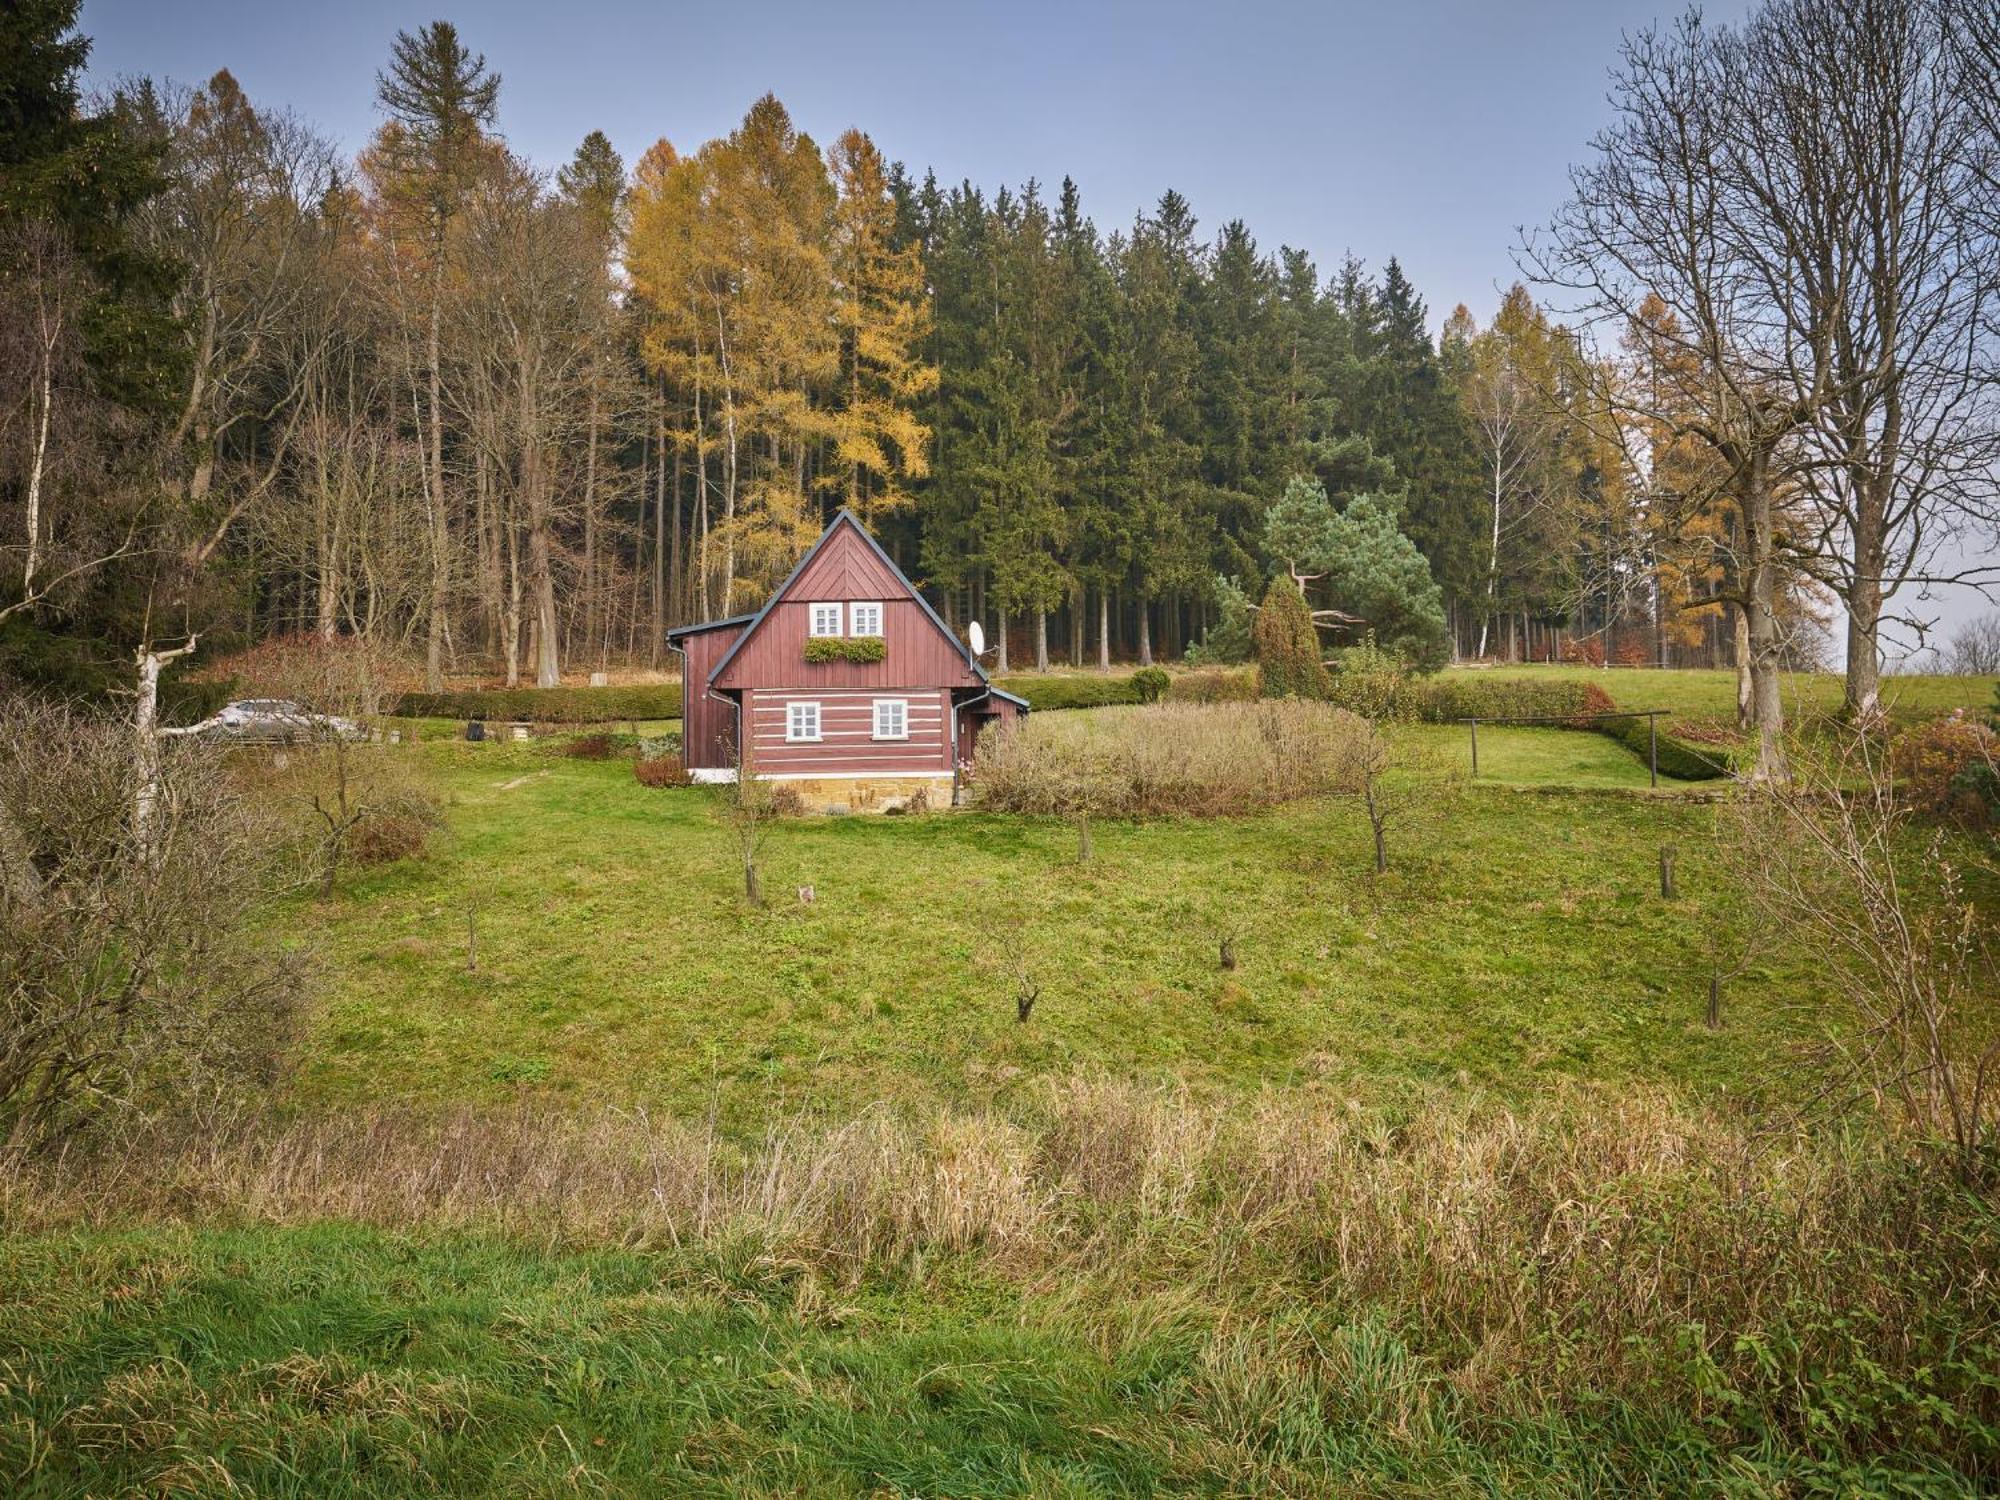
892 719
826 619
864 619
802 722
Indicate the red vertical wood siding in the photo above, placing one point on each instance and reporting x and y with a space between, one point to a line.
847 745
708 727
916 653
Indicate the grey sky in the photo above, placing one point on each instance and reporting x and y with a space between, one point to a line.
1428 130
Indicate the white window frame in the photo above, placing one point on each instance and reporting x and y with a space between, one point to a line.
854 617
902 716
819 620
795 728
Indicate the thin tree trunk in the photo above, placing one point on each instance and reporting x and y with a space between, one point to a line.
1104 629
434 474
1145 633
1041 639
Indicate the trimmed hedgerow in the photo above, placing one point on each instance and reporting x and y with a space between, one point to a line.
1151 683
1044 693
603 705
1681 759
855 648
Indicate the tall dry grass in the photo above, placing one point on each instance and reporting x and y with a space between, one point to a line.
1602 1244
1193 759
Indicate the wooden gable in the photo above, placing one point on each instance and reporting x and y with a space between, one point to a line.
845 566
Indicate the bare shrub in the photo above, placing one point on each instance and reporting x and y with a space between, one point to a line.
661 770
588 747
1214 685
1834 861
1403 785
1929 762
127 974
1199 760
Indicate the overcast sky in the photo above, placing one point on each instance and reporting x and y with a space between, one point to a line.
1428 130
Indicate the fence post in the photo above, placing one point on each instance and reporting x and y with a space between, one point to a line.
1475 747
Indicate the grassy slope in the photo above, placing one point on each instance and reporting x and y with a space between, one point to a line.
1520 941
337 1361
1520 938
1692 693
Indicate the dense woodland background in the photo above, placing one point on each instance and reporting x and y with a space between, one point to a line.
516 424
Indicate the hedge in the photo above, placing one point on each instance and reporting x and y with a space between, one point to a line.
1045 693
558 705
1683 760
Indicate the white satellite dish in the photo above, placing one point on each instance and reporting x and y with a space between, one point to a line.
976 637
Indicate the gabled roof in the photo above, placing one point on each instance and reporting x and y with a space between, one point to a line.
848 517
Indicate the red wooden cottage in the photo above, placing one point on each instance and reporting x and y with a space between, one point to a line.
845 684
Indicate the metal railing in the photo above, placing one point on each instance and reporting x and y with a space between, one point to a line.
1652 716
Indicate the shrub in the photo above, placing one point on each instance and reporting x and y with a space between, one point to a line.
1214 685
134 972
560 705
1632 652
1929 762
1373 683
661 770
786 802
860 648
1150 684
1078 691
1587 651
1288 656
588 747
391 835
1202 760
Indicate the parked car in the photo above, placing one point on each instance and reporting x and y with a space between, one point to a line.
277 721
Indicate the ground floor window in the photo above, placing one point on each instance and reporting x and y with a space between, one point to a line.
801 721
892 719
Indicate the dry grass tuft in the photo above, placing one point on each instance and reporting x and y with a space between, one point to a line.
1193 759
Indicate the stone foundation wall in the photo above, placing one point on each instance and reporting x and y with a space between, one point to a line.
867 794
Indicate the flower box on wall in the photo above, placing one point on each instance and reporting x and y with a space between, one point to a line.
863 648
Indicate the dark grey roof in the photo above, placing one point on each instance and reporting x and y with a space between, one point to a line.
1022 703
887 561
707 625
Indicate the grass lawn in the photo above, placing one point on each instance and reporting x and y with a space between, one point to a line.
1519 939
341 1361
1693 693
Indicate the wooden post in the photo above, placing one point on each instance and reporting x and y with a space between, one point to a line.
1667 872
1475 745
1653 746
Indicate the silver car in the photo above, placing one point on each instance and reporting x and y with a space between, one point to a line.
277 721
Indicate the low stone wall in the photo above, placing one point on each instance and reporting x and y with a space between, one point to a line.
868 794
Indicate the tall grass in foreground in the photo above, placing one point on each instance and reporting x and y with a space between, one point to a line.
1825 1296
1196 759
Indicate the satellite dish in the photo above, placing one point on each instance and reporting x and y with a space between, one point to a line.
976 638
